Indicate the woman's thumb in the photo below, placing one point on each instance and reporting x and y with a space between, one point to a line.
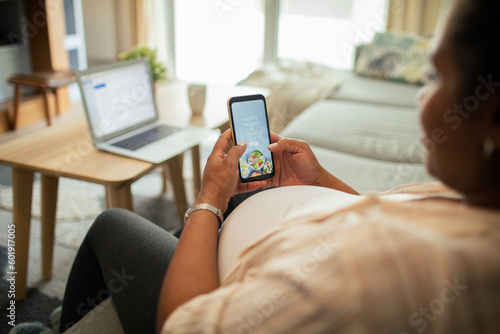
237 151
285 145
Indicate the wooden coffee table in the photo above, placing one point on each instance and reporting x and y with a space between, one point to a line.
66 150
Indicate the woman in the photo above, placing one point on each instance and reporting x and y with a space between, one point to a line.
319 257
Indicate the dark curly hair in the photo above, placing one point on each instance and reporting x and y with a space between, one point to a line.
473 33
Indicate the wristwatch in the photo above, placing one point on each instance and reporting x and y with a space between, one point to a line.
204 206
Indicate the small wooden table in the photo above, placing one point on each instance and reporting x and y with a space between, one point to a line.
66 150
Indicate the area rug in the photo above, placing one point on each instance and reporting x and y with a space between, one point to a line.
36 307
79 201
73 196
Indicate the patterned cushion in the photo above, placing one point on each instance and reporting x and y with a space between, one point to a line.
396 57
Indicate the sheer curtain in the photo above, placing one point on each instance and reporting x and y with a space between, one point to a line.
136 23
416 16
146 22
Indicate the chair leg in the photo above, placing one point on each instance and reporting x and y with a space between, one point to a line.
17 104
47 109
56 101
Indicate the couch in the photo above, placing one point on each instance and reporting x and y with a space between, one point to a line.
363 129
366 133
363 124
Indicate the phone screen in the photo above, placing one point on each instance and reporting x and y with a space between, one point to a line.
249 123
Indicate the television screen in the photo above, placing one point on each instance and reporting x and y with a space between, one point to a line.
10 23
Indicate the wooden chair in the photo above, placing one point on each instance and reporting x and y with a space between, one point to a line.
47 82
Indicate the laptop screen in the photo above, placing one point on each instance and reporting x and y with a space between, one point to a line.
118 98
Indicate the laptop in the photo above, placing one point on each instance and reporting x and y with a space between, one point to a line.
122 116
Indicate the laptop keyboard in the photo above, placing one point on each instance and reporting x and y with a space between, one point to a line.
147 137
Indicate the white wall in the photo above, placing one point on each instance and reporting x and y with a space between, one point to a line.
13 59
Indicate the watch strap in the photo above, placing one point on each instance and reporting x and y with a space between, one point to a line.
204 206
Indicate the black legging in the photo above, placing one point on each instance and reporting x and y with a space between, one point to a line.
126 257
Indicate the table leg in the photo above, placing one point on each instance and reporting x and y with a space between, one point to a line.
195 156
48 222
119 197
165 174
164 178
175 168
22 188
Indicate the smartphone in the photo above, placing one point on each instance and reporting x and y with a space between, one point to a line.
249 123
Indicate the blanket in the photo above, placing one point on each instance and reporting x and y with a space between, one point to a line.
294 87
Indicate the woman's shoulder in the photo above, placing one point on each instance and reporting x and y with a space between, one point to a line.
427 188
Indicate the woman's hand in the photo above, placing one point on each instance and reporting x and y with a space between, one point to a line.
220 177
296 164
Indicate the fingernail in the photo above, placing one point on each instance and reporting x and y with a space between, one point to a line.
272 145
243 143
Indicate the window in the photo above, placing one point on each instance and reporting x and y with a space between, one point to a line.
222 41
218 41
326 31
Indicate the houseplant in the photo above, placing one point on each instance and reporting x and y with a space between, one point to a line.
158 70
